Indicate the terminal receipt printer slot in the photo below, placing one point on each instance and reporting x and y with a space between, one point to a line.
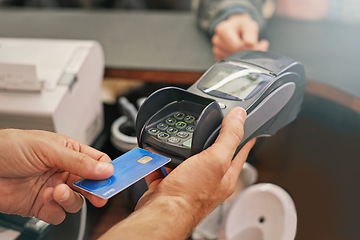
52 85
179 123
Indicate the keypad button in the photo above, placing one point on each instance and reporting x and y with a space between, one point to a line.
162 126
163 135
190 128
170 121
187 143
189 119
179 115
173 140
172 130
153 131
182 134
180 125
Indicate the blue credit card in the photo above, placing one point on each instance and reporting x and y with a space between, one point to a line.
128 169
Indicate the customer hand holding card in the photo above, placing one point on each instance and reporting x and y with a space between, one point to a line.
37 169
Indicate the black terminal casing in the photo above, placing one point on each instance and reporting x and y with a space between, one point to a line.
272 103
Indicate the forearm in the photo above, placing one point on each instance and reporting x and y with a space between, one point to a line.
163 218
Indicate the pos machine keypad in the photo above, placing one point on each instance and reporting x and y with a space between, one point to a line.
176 129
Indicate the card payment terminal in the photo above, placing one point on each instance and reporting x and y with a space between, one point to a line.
179 123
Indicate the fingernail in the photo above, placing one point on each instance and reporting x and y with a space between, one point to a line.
65 196
101 167
241 113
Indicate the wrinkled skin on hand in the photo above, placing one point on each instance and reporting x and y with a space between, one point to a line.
37 169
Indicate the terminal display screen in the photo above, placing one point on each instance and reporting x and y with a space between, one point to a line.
234 82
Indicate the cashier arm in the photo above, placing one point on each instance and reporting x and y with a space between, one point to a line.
174 205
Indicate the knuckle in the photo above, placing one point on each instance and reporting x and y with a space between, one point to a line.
254 25
81 158
59 219
215 40
72 144
238 133
216 51
246 17
220 28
